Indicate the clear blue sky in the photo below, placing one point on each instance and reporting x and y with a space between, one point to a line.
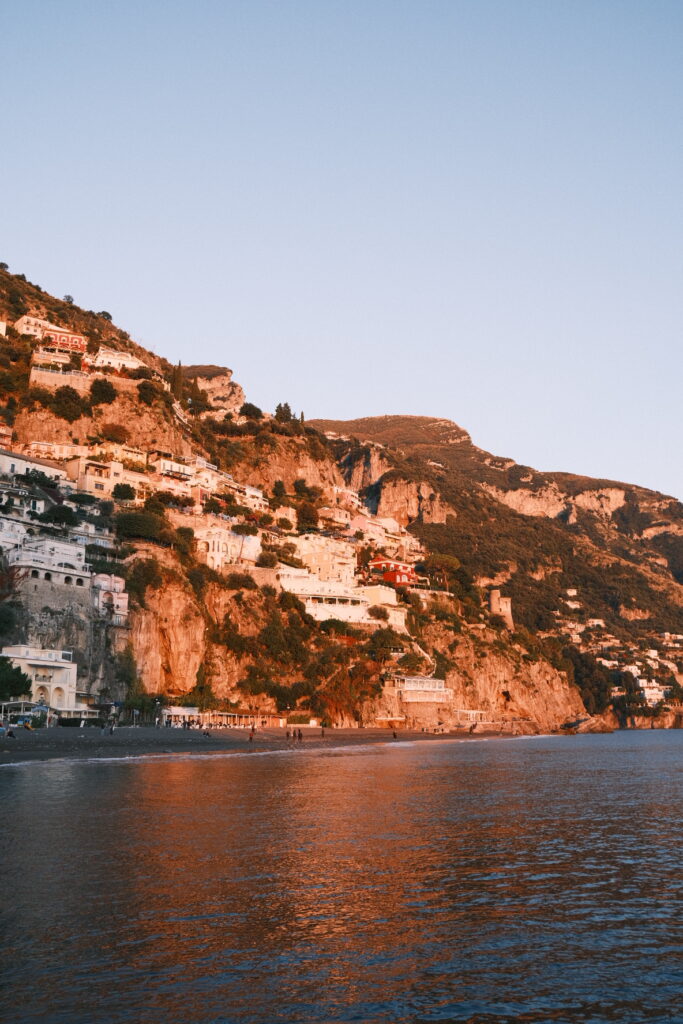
470 210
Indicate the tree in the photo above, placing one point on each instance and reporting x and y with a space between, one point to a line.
69 299
283 413
251 411
145 525
306 517
4 266
123 492
147 392
68 404
102 392
279 490
13 682
267 560
284 523
60 515
105 316
177 381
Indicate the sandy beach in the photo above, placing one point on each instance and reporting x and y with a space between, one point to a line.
56 743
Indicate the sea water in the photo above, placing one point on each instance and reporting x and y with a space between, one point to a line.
521 880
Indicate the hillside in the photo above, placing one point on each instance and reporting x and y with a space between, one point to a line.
243 559
535 534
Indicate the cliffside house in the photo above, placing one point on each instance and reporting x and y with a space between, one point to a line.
115 360
110 598
51 560
326 557
14 464
337 600
51 335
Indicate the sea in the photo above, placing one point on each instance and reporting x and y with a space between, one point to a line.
521 880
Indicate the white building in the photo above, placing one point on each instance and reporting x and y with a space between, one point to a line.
110 597
45 558
218 547
14 464
336 600
116 360
422 690
327 558
52 674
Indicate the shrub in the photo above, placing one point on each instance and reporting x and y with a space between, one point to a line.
67 404
123 492
375 612
284 523
114 432
13 682
306 517
142 574
240 581
144 524
267 560
60 515
147 392
251 411
102 392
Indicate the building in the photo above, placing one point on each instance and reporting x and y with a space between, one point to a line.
52 335
53 561
100 477
501 606
421 690
14 464
397 573
116 360
6 433
52 674
326 557
110 598
218 547
336 600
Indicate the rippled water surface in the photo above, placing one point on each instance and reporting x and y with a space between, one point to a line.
505 881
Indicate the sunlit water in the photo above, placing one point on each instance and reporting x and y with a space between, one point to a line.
504 881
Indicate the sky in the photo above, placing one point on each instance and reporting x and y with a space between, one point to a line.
469 210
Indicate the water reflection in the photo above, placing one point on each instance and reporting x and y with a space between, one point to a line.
512 881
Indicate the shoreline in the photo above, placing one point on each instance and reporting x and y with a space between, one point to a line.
59 744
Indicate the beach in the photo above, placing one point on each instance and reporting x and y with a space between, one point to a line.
130 741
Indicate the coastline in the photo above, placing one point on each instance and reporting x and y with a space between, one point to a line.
128 741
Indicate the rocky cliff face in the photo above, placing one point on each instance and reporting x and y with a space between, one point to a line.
407 501
147 427
223 394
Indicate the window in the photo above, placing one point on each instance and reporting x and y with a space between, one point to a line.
79 583
68 580
99 487
48 575
34 574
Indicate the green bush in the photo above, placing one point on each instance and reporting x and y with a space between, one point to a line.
147 392
67 404
267 560
251 411
145 525
123 492
142 574
13 682
102 392
240 581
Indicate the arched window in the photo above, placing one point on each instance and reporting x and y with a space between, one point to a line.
34 574
48 575
79 582
68 581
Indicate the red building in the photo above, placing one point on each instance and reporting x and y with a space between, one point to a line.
400 574
64 341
